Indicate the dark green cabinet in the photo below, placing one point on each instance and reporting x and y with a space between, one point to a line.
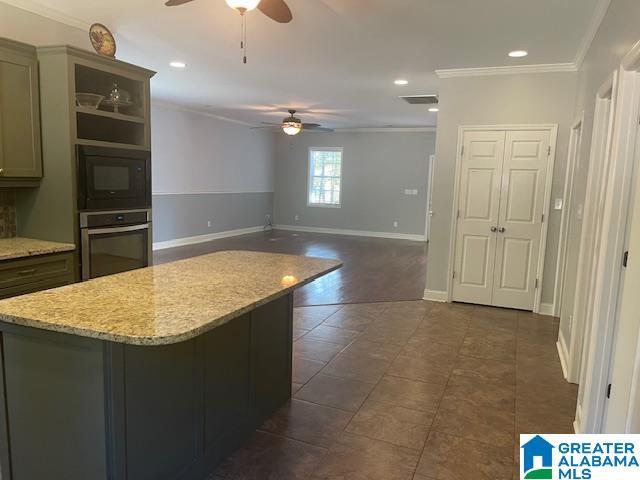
92 409
33 274
20 145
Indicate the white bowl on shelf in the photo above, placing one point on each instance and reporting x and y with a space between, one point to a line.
89 100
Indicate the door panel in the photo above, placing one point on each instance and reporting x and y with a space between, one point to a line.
521 199
20 117
515 268
475 257
478 206
520 218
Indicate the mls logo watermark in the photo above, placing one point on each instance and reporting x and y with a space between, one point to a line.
580 457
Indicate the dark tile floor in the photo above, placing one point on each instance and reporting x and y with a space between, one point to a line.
410 391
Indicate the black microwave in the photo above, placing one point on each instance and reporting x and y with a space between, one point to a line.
113 178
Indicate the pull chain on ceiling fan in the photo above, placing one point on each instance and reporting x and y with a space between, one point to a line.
243 6
276 10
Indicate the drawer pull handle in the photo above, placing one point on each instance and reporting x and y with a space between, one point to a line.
27 272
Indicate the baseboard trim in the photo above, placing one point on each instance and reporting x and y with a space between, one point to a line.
180 242
563 353
436 296
355 233
547 309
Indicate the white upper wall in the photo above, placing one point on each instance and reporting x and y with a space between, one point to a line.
196 153
27 27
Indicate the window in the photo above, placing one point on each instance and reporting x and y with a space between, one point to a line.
325 177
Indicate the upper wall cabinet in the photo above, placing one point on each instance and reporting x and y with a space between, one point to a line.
20 148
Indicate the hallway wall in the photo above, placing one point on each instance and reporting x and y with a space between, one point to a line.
617 34
537 98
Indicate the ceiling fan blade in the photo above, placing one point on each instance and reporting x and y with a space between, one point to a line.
311 125
267 126
271 124
276 10
320 129
175 3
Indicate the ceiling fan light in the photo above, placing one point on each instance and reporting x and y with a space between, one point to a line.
243 5
291 128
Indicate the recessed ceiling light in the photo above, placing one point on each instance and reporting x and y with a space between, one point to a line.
434 109
518 53
178 64
401 82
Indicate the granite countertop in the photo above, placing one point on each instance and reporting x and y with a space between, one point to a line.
18 247
168 303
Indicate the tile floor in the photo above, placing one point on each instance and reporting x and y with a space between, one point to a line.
410 391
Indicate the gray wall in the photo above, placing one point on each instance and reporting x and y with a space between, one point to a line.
617 34
181 216
501 99
208 170
377 168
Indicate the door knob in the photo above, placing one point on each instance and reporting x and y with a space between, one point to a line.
494 229
502 229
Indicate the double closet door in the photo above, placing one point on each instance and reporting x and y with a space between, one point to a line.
501 201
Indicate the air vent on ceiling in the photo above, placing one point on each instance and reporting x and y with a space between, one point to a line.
420 99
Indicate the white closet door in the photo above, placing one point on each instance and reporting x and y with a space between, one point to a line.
524 176
478 208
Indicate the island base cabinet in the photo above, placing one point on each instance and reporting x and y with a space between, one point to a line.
78 409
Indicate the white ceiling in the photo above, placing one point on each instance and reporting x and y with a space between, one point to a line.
337 60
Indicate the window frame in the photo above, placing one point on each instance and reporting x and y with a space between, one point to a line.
310 176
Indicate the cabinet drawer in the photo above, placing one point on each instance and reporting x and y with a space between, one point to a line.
36 286
35 269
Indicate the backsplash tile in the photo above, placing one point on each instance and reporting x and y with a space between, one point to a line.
7 213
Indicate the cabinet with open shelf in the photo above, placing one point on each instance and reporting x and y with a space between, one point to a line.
126 123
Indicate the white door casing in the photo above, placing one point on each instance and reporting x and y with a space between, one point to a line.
622 409
427 230
502 192
573 160
524 174
477 216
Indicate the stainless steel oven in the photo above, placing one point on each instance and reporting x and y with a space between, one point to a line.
115 241
113 178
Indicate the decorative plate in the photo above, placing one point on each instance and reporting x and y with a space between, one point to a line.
102 40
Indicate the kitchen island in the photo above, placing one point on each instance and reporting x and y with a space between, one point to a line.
156 373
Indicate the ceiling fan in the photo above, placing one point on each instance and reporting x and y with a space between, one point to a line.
276 10
293 125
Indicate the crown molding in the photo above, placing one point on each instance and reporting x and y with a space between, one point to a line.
50 13
182 108
596 20
509 70
386 130
599 14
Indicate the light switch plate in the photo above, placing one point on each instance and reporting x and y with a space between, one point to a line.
557 204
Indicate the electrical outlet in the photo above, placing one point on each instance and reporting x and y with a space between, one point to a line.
395 224
557 204
209 224
296 218
268 216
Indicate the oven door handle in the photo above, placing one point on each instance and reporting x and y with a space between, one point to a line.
128 228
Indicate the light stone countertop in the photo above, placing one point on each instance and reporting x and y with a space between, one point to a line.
18 247
168 303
